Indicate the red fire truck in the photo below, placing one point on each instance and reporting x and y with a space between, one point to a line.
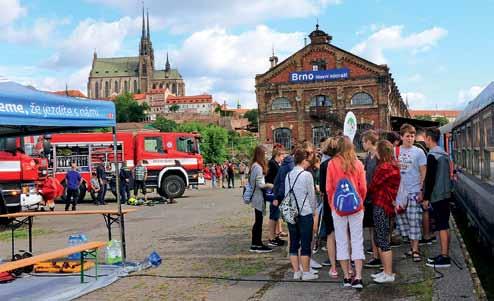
173 160
21 177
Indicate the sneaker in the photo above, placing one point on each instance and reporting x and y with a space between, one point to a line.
326 263
274 243
440 262
263 249
333 273
433 239
432 259
311 270
280 241
373 263
309 276
425 241
376 275
297 275
369 251
314 264
324 248
253 249
357 283
385 278
347 282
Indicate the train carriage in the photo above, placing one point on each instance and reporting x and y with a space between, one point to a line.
470 141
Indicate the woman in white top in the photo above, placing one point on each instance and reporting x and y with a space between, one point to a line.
300 185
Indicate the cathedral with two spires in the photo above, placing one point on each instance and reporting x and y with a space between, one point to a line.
113 76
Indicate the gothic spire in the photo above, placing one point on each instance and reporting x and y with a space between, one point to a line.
167 64
149 38
143 25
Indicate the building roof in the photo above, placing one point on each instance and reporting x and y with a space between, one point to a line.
115 66
445 113
484 99
170 74
204 98
71 93
140 96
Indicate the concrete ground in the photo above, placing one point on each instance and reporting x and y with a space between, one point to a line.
207 233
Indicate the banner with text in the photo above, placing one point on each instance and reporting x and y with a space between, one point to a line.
308 76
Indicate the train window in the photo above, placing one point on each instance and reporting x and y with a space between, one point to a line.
488 130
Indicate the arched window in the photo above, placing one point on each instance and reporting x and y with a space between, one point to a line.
318 133
107 89
361 98
96 90
154 86
126 86
135 86
321 101
283 136
117 88
174 89
281 103
161 85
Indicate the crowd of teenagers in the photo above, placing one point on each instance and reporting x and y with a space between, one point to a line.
402 186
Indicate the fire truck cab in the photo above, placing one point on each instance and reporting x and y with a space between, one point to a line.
173 160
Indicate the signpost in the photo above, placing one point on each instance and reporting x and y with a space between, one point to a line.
350 125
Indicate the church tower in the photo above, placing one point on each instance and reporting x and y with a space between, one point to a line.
146 56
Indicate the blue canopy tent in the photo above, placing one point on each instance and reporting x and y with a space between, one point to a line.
25 111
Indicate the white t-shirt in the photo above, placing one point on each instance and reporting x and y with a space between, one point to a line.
410 160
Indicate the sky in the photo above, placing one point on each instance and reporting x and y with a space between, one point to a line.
440 53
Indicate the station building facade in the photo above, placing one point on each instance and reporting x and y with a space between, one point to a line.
306 96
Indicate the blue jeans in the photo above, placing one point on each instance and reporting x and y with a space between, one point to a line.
301 236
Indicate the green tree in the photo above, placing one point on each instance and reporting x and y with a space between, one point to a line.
165 125
424 117
442 120
253 117
129 110
174 108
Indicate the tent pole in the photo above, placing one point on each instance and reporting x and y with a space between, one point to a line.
117 193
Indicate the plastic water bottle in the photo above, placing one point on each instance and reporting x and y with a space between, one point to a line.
74 240
154 259
114 252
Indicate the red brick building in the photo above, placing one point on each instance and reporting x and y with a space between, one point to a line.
306 96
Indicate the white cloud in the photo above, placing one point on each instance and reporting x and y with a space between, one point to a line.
415 77
42 31
230 61
416 100
392 38
104 37
465 95
10 10
187 16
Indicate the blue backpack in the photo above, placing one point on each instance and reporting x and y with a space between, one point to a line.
346 200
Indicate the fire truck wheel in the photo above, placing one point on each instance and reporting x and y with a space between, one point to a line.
173 187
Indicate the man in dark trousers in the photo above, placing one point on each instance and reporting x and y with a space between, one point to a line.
437 193
101 174
73 181
231 175
124 175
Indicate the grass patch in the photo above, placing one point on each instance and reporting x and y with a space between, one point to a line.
22 233
421 290
237 267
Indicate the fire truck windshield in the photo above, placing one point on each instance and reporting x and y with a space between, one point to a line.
188 145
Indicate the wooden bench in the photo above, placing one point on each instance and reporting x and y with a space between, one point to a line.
89 248
19 219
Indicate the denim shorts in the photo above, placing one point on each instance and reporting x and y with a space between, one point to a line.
274 212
